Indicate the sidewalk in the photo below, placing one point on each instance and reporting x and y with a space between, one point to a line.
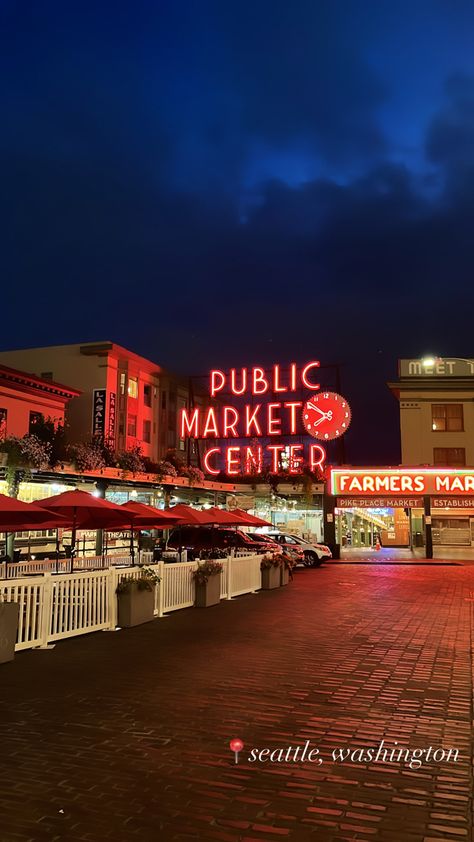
125 736
398 555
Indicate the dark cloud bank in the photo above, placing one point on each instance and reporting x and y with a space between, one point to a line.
223 188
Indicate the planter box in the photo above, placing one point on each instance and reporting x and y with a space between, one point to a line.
135 608
285 576
210 593
9 612
271 578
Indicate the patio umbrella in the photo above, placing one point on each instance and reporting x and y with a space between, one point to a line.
192 517
142 516
85 511
245 519
16 516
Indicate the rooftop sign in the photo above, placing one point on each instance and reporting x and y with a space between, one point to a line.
436 367
258 404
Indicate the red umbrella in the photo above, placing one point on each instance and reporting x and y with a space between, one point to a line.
86 512
142 516
16 516
192 517
223 518
147 517
245 519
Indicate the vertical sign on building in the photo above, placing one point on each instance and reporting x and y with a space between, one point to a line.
111 421
98 413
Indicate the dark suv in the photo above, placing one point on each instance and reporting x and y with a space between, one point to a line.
198 538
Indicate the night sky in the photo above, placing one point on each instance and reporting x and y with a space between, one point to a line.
223 183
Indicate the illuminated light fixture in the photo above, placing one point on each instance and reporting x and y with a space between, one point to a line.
434 426
96 493
429 362
134 493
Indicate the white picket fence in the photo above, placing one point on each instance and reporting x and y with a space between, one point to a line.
54 607
18 569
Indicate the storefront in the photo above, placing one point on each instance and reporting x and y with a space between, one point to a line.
404 507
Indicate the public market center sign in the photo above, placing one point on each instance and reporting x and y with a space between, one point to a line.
267 404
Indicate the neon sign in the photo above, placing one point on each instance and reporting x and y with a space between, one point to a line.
267 407
379 481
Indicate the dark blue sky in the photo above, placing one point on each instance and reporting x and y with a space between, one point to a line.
221 183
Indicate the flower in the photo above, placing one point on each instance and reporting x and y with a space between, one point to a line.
205 570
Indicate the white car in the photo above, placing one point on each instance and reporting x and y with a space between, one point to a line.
314 554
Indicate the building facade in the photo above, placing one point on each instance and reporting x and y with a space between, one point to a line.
25 399
125 399
436 398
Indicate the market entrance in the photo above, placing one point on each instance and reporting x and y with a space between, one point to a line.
388 523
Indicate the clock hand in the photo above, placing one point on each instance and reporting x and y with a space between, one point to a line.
320 420
313 406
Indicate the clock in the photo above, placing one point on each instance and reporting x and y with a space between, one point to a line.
326 416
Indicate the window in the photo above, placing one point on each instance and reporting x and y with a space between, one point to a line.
147 431
132 426
122 382
163 400
447 417
147 394
133 387
35 418
449 457
3 423
46 375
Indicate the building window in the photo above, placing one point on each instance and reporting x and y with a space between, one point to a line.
182 444
163 400
35 419
123 379
147 431
46 375
450 457
133 387
147 394
132 426
447 417
3 424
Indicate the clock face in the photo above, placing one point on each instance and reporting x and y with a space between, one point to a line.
326 416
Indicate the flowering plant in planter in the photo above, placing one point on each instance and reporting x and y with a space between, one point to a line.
146 581
204 571
270 560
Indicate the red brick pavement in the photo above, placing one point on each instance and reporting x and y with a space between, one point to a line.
125 736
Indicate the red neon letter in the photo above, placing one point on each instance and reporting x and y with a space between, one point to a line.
277 387
230 425
293 377
252 419
189 425
210 427
233 463
258 375
253 462
274 424
304 378
207 467
295 458
216 386
293 406
317 457
243 376
276 448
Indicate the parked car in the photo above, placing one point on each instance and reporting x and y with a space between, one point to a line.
195 539
314 553
269 542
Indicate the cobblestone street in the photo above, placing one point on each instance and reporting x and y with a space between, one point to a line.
124 736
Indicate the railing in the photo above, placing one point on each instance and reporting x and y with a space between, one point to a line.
54 607
18 569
